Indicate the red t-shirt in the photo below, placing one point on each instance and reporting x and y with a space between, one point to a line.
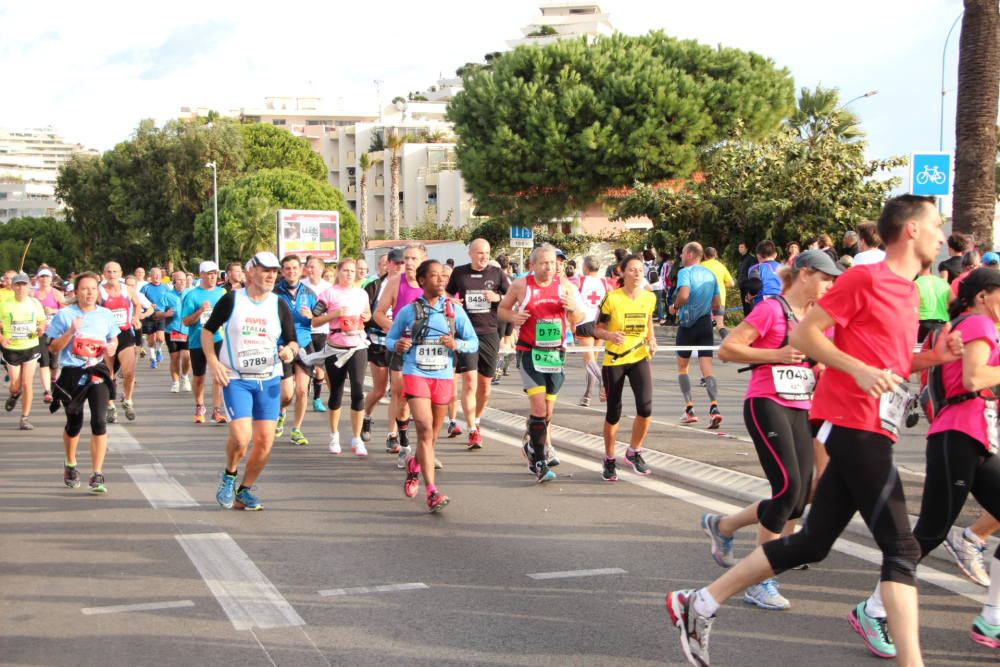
876 313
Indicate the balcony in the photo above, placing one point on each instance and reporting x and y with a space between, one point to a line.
379 220
379 188
433 170
334 164
351 157
352 192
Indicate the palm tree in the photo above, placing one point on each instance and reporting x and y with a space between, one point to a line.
818 113
254 227
365 162
975 121
394 143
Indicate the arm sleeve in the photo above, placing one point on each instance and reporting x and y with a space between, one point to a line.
849 298
287 321
604 310
221 313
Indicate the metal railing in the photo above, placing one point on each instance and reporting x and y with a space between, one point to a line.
446 165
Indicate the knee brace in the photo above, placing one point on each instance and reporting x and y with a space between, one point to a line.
537 427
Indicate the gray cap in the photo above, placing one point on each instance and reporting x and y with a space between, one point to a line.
21 278
816 259
396 255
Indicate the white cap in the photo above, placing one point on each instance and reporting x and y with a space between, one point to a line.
208 267
43 272
265 259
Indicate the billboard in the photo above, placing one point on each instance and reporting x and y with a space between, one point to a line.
309 233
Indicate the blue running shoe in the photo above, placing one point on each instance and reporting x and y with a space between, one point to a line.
874 632
722 546
766 596
248 501
984 633
226 491
318 405
159 357
152 362
542 473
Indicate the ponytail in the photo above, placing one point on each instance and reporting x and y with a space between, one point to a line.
957 307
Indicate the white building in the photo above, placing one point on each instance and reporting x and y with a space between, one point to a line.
28 200
570 20
35 154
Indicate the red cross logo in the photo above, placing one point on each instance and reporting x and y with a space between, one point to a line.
593 298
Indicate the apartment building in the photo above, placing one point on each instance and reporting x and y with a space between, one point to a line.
20 199
35 154
569 20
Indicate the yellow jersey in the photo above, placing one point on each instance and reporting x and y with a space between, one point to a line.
620 313
722 275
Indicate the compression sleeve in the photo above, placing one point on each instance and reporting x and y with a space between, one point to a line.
286 319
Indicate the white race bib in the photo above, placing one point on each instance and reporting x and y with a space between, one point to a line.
476 302
205 314
121 317
892 408
793 383
431 355
22 330
256 362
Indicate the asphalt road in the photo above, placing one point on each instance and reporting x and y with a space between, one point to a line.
244 588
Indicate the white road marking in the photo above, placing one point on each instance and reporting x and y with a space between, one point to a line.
145 606
249 599
578 573
388 588
957 585
161 490
120 440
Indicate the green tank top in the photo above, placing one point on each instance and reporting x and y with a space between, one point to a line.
20 322
934 294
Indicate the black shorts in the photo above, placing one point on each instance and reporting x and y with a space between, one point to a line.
46 358
585 330
19 357
702 333
126 339
484 360
199 364
149 325
376 355
176 345
394 360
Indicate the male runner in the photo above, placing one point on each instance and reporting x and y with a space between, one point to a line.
234 277
125 306
52 300
255 321
712 263
295 375
168 309
196 308
390 266
545 307
478 287
22 321
314 279
592 291
153 327
762 280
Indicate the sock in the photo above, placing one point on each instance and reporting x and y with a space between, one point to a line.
972 537
609 458
230 473
874 606
991 612
368 417
281 416
477 421
634 451
473 428
723 333
536 431
705 604
69 465
451 423
242 489
712 387
431 488
685 383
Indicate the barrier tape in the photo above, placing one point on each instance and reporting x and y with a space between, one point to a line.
577 349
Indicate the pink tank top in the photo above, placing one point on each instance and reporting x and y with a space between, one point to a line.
406 294
49 301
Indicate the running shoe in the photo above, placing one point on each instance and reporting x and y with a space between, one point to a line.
701 383
766 596
25 424
412 481
97 483
71 476
984 633
358 447
279 426
112 415
152 363
475 440
391 441
496 378
366 430
968 555
716 417
227 490
437 501
585 401
129 408
722 546
638 464
454 430
217 416
159 357
335 443
185 383
404 453
542 473
874 632
247 501
437 465
318 405
47 398
175 388
610 473
297 438
528 451
199 414
694 627
688 417
550 456
142 353
11 401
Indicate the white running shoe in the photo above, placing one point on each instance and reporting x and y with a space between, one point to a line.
358 447
185 383
334 443
175 388
968 555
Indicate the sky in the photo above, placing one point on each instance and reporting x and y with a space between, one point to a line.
94 70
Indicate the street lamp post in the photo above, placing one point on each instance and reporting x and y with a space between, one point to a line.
215 205
944 53
859 97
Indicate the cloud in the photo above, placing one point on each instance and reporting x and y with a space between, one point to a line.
177 52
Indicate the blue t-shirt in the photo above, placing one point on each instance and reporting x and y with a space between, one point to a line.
704 286
154 292
437 325
99 322
172 299
191 302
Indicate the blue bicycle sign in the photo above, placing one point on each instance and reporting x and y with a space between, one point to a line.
930 174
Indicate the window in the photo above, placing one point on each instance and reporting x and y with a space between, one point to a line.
278 121
328 123
341 123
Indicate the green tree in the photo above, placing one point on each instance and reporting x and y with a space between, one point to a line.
52 243
270 147
551 128
279 188
366 162
394 144
254 227
818 112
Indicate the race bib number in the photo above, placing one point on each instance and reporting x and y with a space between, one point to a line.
256 362
635 324
992 435
87 348
351 325
892 408
431 355
547 361
22 330
205 314
793 383
548 333
121 317
178 337
476 302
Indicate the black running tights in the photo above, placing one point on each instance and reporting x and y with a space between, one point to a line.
97 399
640 378
336 376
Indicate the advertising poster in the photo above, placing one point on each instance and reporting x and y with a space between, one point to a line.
309 233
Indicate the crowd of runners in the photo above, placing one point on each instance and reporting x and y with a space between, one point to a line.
829 346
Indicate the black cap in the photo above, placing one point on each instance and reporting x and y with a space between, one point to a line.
396 255
978 280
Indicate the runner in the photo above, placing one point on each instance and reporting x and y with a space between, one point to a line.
435 325
398 292
84 336
545 307
625 324
951 267
52 300
168 309
345 310
390 266
725 279
22 321
478 287
696 297
295 375
314 280
873 309
146 310
762 281
125 306
196 308
361 272
868 245
234 277
254 321
154 327
592 291
935 296
776 413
